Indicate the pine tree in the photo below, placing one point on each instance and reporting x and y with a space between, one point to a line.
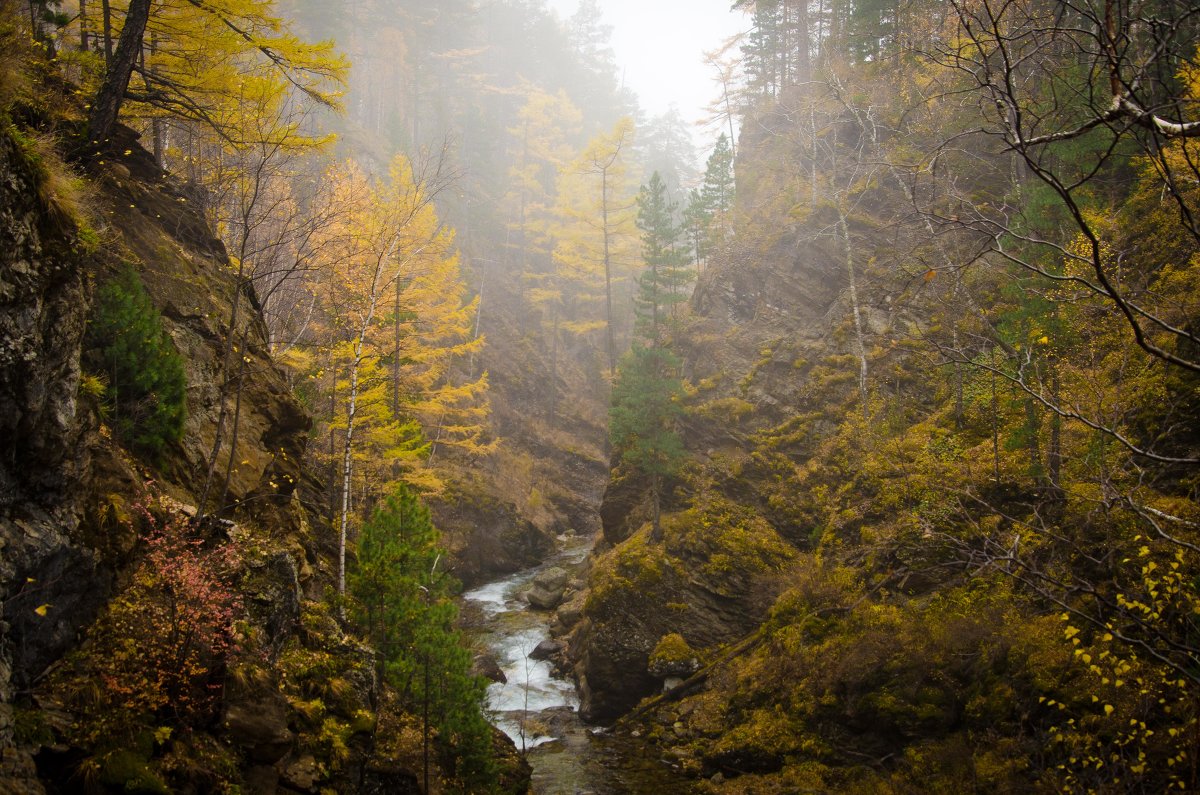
645 407
146 389
405 606
663 283
718 188
647 389
707 216
694 224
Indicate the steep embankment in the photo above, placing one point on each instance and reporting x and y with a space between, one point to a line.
917 542
758 331
296 704
45 437
547 476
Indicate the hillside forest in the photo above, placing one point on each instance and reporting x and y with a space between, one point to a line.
876 396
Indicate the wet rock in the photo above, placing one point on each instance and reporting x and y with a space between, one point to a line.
548 588
552 579
488 667
542 599
546 649
570 612
558 720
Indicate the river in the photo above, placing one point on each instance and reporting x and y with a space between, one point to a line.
539 709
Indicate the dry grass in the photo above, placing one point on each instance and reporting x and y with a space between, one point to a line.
15 53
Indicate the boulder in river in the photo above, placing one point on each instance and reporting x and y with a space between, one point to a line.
546 649
571 611
553 579
487 666
548 588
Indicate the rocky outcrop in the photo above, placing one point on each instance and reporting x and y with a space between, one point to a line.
764 335
43 456
488 534
298 713
260 725
547 589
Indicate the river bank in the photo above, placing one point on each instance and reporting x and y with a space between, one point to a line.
538 708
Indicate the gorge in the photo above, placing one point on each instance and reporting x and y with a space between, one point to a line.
388 403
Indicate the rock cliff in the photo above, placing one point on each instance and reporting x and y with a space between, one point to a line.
298 709
769 357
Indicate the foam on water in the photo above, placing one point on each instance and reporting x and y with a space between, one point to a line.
532 685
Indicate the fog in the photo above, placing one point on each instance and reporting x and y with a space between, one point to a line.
659 45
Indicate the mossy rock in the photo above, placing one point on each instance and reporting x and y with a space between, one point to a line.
130 772
672 656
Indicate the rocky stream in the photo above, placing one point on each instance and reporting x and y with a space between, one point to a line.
537 705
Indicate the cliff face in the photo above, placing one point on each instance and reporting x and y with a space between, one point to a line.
769 352
44 441
757 325
298 705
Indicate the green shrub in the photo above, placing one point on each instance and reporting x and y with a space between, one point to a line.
146 390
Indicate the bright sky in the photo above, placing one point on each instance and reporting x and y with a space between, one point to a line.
661 45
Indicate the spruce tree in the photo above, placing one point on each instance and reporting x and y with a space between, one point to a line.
706 217
663 283
645 408
404 605
696 218
146 389
718 188
647 390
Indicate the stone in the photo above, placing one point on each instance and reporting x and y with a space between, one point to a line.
674 668
570 612
261 725
302 773
541 598
546 649
552 579
487 666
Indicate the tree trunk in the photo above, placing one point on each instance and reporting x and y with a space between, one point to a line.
552 387
656 508
397 339
347 471
844 228
237 418
333 489
107 103
226 374
612 347
995 421
1033 427
106 13
1054 453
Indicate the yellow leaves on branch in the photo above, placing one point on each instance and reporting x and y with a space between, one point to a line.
231 64
399 321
